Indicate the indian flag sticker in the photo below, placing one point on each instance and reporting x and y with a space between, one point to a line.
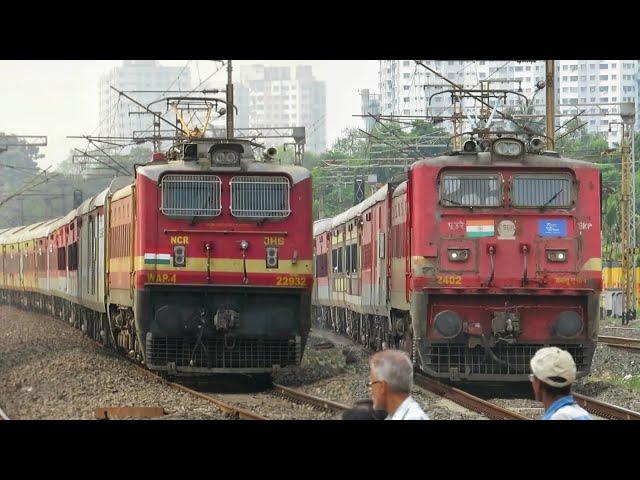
480 228
157 258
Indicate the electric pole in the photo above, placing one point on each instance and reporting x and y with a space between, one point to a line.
550 103
230 109
627 200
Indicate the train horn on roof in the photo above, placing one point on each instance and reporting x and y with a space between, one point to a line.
536 144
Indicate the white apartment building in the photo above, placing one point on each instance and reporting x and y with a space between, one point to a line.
146 75
583 83
405 88
284 97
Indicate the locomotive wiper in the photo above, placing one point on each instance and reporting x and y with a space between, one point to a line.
204 206
552 199
455 202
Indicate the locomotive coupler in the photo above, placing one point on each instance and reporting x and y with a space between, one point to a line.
226 319
506 326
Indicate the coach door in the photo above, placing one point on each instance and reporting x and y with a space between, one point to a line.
21 265
381 262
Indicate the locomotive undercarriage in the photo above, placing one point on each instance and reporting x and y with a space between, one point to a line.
373 331
501 358
193 331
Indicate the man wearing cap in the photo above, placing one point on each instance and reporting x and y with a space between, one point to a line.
553 373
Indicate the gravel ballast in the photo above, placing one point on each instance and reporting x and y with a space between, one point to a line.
49 370
340 374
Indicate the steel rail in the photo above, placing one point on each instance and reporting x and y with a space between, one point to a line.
471 402
318 402
605 410
620 342
3 416
237 412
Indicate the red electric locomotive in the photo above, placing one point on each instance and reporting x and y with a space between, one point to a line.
209 261
201 265
473 263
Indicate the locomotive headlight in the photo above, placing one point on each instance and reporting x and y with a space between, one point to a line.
458 254
179 256
271 257
557 256
244 245
507 148
448 323
225 157
568 324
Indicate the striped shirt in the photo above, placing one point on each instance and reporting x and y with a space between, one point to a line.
566 408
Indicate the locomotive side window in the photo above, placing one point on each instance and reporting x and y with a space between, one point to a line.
191 195
260 197
541 190
470 190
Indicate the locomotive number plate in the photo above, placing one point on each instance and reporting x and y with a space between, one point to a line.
161 278
449 279
291 281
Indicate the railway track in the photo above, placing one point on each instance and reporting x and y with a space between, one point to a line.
235 411
3 416
620 342
471 402
605 410
301 397
495 412
224 407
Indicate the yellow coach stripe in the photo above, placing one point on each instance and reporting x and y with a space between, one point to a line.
225 265
592 265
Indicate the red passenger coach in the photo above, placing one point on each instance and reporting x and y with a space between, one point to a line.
476 261
210 261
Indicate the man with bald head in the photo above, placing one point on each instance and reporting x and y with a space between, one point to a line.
390 380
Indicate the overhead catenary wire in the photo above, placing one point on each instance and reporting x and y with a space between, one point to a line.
477 98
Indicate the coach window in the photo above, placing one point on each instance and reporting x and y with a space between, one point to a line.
354 258
62 258
470 190
321 265
553 190
73 256
348 259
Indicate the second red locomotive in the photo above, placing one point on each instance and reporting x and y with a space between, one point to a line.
473 263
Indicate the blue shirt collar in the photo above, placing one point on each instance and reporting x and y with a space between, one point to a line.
557 405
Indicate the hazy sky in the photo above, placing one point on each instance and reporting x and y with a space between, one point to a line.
60 97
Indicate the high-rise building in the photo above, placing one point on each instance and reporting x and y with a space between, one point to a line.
284 97
146 75
409 89
583 83
369 105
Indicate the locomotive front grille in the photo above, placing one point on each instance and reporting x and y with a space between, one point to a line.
191 195
441 358
212 353
260 196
